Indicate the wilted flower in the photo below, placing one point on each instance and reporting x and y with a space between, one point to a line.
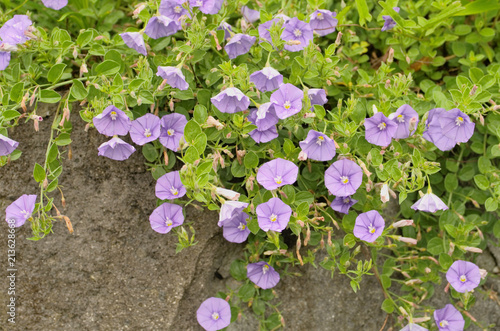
249 14
342 204
379 130
20 210
322 21
239 44
55 4
343 177
165 217
231 100
267 79
161 26
463 276
116 149
227 29
429 203
207 6
389 22
276 173
174 77
135 40
112 121
169 186
273 215
297 30
214 313
172 130
403 117
7 145
369 226
173 9
449 319
287 100
262 275
235 229
229 208
145 129
318 146
413 327
317 96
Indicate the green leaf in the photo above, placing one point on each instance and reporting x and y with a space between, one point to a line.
445 261
435 246
319 111
107 68
482 182
49 96
386 281
10 114
491 204
451 182
387 306
38 173
78 90
191 154
238 270
251 160
246 292
85 37
200 143
191 131
16 93
253 225
484 164
479 6
56 72
364 14
150 152
200 114
63 139
53 153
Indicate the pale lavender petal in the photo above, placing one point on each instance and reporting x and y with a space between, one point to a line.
135 41
172 130
287 100
298 31
239 44
7 145
369 226
55 4
322 21
145 129
262 275
166 217
116 149
112 121
231 100
449 319
235 229
277 173
174 77
161 26
318 146
20 210
169 186
463 276
273 215
343 177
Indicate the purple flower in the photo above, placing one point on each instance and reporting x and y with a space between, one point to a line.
229 208
239 44
297 31
135 40
264 117
287 100
343 177
449 319
173 9
4 60
235 229
265 135
165 217
174 77
12 32
172 130
434 132
429 203
342 204
231 100
169 186
207 6
7 145
413 327
463 276
227 28
112 121
161 26
55 4
379 130
262 275
116 149
369 226
404 117
145 129
249 14
264 29
267 79
317 96
456 125
273 215
20 210
276 173
214 314
389 22
322 21
318 146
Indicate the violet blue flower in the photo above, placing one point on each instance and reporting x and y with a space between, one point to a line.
267 79
235 229
173 9
318 146
174 77
389 22
404 117
12 32
276 173
297 31
429 203
55 4
227 29
379 130
322 21
343 177
20 210
413 327
262 275
368 226
7 145
169 186
161 26
214 314
172 130
231 100
249 14
463 276
343 204
287 100
165 217
456 125
434 132
116 149
264 117
229 208
4 60
145 129
135 40
239 44
207 6
273 215
112 121
264 136
317 96
449 319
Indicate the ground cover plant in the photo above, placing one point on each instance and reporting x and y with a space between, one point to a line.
368 130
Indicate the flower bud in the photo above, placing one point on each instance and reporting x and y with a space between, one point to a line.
228 194
402 223
384 193
473 90
390 57
483 273
407 240
472 249
302 156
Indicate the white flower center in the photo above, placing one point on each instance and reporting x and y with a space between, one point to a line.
242 227
287 105
400 118
371 228
382 126
199 3
273 218
278 179
113 115
174 191
297 33
215 316
463 278
320 16
347 200
443 323
170 132
177 9
459 121
168 222
320 140
147 133
25 213
265 269
344 179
